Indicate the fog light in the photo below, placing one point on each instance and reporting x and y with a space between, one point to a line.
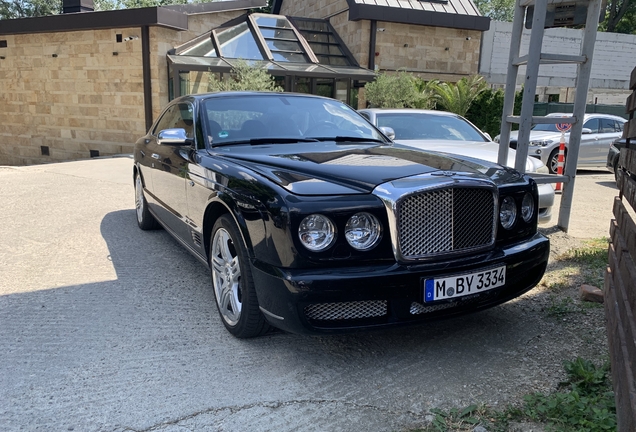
508 212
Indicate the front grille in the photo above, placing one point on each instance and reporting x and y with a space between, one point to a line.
346 310
419 308
445 221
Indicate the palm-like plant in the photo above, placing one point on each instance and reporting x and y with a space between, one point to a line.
458 97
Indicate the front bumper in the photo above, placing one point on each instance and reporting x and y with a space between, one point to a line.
388 295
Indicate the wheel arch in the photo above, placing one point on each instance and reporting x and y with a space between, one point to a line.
216 209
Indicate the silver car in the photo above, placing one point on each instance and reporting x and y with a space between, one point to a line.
450 133
599 131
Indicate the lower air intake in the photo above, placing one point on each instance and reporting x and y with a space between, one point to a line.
346 310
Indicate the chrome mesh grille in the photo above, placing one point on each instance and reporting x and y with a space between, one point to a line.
419 308
445 220
346 310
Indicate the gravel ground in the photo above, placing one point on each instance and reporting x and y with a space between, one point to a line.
107 328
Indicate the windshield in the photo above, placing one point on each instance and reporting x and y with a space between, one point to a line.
425 126
545 128
282 117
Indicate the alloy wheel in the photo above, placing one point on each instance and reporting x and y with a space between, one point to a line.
226 276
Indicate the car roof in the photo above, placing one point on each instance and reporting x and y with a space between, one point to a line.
588 115
202 96
409 110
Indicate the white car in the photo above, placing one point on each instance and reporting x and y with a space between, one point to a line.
599 131
450 133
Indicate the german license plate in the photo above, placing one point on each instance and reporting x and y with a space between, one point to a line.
463 285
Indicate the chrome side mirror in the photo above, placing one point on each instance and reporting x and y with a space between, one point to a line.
174 137
586 131
388 132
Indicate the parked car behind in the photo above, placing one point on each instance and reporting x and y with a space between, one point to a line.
599 131
311 220
614 155
447 132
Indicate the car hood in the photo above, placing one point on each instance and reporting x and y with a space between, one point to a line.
330 168
488 151
538 135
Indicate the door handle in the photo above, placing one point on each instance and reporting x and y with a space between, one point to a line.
156 156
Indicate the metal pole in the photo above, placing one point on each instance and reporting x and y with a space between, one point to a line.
580 99
530 85
511 83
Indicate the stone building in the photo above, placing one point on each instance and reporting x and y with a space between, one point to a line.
85 83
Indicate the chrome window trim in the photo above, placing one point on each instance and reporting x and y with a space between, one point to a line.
394 192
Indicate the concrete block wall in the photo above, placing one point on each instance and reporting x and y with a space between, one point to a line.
432 52
611 66
69 92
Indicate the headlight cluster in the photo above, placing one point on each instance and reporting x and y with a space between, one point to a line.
541 143
362 231
508 210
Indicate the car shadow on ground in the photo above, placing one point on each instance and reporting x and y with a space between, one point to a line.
153 336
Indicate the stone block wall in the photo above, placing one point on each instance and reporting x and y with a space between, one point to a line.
68 93
430 52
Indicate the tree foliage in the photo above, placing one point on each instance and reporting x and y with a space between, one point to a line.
401 90
457 98
245 77
103 5
499 10
10 9
620 17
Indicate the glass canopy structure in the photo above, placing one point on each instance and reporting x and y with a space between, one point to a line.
304 55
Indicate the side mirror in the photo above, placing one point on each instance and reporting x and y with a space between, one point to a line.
174 137
388 132
487 135
586 131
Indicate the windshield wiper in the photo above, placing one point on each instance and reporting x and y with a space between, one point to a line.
350 139
259 141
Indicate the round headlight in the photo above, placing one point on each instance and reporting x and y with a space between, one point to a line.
508 212
362 231
527 207
316 232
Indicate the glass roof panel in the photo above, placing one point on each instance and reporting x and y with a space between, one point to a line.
285 56
270 21
326 49
283 45
320 26
278 33
333 60
202 49
238 42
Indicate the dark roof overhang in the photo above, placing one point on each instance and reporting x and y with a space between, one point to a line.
152 16
174 17
359 11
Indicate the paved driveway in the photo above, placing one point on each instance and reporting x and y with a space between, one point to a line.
108 328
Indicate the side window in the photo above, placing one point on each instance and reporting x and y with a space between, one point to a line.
619 126
608 126
592 124
177 116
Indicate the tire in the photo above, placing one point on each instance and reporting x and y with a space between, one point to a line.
232 281
145 219
553 161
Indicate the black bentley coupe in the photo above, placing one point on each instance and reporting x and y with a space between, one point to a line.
312 221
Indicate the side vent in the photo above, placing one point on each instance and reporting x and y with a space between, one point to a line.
196 238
